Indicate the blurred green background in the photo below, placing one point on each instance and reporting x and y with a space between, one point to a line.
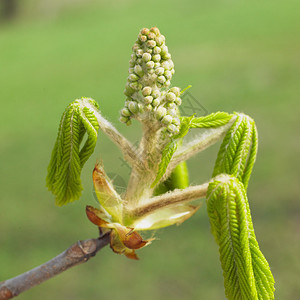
238 56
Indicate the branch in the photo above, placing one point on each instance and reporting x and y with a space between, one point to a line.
78 253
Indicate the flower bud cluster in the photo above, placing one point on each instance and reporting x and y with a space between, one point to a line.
147 88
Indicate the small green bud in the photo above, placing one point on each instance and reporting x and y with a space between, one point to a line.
130 70
160 112
176 122
161 79
128 91
173 129
164 50
142 38
175 90
155 93
148 107
160 40
146 91
148 99
171 97
178 101
125 112
149 50
151 35
156 50
139 53
167 120
134 85
172 112
145 31
146 57
151 44
151 71
156 58
155 30
159 71
166 56
139 61
167 83
165 65
168 75
156 65
172 71
171 105
155 102
133 107
128 123
150 64
123 119
138 70
133 77
135 47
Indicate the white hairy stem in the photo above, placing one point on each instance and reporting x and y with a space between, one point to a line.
168 199
116 137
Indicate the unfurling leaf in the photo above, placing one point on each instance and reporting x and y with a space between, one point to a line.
247 275
171 147
211 121
237 153
67 160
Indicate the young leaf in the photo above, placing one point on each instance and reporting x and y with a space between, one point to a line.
213 120
169 150
246 272
67 160
237 153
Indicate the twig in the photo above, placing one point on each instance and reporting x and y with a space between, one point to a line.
78 253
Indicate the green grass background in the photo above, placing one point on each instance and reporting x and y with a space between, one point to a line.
238 56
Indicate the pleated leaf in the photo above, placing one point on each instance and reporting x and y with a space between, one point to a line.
247 275
67 159
211 121
237 153
171 147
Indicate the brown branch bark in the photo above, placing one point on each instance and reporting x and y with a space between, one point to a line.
78 253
